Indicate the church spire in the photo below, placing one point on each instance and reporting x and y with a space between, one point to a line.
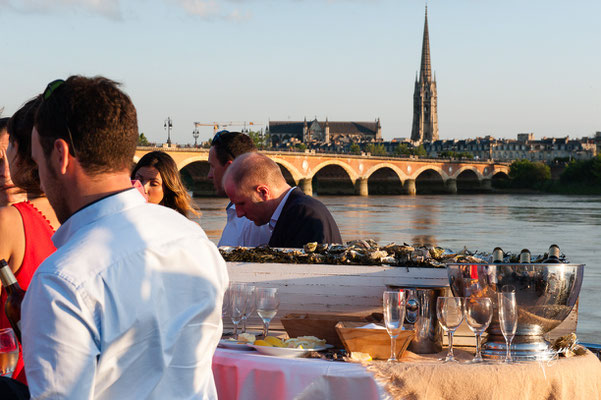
425 74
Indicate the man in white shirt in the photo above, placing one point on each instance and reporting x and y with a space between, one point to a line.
129 305
238 231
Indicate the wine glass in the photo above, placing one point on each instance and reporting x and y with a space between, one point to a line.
9 352
478 314
250 305
508 319
394 316
225 307
267 303
237 303
450 313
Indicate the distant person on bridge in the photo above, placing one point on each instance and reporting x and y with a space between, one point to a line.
256 186
238 231
160 178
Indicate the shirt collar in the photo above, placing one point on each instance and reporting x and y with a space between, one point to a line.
106 206
278 211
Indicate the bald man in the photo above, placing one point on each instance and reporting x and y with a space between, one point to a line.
256 186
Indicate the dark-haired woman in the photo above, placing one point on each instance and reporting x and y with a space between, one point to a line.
162 183
25 227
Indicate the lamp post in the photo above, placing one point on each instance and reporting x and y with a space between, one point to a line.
168 125
195 135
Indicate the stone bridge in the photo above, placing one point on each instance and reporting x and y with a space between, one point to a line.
322 173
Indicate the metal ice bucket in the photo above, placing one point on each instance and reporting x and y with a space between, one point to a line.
545 295
420 315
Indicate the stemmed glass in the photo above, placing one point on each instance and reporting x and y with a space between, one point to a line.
508 318
478 314
250 305
394 316
450 313
237 304
267 303
9 352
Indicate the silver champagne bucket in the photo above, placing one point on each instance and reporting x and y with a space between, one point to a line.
420 315
545 295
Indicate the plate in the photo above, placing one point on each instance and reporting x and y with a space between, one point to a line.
234 345
285 352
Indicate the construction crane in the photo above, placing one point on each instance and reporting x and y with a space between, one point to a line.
217 125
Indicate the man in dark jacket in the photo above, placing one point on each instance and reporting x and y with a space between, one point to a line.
256 186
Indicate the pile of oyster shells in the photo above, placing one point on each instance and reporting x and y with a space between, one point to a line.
365 252
358 252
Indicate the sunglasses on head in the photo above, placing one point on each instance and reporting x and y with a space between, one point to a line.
217 141
50 88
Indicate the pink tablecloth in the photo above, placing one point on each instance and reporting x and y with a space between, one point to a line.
247 375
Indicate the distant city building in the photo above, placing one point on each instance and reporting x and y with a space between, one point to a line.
525 147
327 132
425 98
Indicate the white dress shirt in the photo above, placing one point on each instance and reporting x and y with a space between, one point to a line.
128 307
241 231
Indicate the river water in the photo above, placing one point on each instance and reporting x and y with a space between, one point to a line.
478 222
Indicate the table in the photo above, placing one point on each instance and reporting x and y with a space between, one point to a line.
249 375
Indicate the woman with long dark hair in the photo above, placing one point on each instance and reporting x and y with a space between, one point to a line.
162 183
25 227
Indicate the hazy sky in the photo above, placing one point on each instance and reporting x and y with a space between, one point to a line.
502 67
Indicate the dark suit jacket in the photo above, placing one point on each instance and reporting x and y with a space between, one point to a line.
303 220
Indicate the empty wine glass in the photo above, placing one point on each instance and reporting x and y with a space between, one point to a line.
250 305
508 319
478 314
237 304
267 303
394 316
450 313
9 352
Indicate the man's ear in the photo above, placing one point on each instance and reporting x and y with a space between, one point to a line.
61 155
263 192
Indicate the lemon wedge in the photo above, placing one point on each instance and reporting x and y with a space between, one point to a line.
274 341
263 343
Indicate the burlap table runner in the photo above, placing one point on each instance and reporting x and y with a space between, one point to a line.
425 378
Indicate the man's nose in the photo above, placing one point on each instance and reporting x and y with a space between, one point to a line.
210 174
146 187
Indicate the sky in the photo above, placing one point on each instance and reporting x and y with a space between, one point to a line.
502 67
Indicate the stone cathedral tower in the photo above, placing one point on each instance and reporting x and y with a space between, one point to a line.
425 110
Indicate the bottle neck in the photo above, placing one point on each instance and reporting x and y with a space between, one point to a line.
6 276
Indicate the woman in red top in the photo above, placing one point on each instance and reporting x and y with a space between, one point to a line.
26 227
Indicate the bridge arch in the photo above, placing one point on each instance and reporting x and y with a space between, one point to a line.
333 177
402 176
430 180
350 171
468 168
296 175
186 161
443 175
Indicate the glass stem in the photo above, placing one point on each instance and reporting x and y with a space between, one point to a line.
478 336
265 329
243 325
451 344
508 354
393 348
236 331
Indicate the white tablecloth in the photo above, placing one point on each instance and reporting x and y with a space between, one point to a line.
248 375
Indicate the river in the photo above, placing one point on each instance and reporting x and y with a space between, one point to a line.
479 222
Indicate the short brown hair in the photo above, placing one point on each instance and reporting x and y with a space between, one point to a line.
19 129
95 118
229 145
